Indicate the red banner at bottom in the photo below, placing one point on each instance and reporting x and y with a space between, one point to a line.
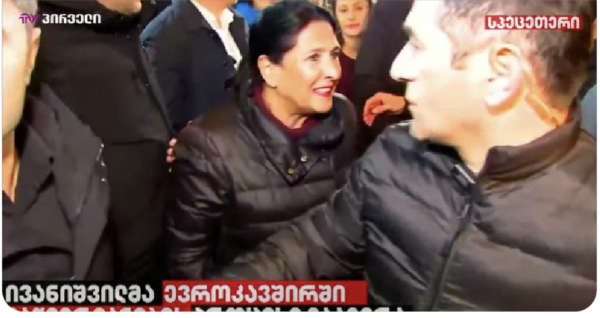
102 308
207 309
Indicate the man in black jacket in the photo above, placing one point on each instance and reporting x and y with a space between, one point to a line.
195 47
54 193
490 202
101 72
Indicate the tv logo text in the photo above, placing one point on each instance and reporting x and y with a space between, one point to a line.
64 18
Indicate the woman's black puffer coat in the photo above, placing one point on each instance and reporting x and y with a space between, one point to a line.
238 178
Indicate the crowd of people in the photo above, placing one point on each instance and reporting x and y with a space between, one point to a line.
397 141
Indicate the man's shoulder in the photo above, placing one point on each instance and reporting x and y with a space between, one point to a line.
397 155
396 138
46 110
170 23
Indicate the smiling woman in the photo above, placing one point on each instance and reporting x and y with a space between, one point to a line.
249 169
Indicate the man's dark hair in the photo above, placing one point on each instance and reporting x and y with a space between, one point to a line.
560 57
276 31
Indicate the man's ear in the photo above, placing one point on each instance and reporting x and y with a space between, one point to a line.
34 45
507 77
268 71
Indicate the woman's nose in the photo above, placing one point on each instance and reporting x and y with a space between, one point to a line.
332 69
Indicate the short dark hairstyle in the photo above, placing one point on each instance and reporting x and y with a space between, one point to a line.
276 31
560 56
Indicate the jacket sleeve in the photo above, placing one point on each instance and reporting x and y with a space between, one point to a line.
328 243
168 57
200 188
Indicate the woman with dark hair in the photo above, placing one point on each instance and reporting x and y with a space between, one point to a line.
351 16
249 169
251 9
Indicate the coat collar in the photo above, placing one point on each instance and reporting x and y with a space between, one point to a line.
77 155
506 163
195 21
293 158
512 163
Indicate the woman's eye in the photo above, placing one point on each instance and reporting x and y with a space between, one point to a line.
314 57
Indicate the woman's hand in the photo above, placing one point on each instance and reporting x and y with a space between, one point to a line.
171 151
382 103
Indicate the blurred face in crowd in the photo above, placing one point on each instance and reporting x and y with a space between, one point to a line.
352 16
128 7
447 103
20 44
308 74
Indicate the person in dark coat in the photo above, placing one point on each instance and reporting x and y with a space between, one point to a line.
381 42
54 192
101 72
195 55
474 207
251 167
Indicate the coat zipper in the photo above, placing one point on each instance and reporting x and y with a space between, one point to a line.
448 251
84 196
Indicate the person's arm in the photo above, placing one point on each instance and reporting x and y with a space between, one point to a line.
327 243
168 57
200 192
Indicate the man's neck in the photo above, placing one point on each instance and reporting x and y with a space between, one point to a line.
350 47
10 165
283 112
215 7
474 157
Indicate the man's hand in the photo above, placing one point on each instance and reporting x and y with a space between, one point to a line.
171 151
382 103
